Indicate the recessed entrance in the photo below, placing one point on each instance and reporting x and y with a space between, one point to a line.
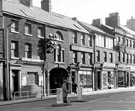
57 75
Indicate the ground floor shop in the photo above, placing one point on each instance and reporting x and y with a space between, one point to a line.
104 76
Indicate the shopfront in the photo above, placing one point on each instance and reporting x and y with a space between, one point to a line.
85 79
123 76
132 75
108 76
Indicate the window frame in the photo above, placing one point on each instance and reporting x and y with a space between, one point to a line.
14 26
28 31
28 53
15 49
40 29
74 36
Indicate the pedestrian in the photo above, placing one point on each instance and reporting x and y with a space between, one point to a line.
74 88
65 91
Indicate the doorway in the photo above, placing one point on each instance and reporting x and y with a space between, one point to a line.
15 77
98 80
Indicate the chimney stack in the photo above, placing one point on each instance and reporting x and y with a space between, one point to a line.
28 3
113 20
97 22
46 5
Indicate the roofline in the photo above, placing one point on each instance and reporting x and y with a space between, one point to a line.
35 20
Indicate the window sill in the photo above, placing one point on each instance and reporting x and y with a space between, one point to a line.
16 32
59 62
40 36
28 34
16 58
32 60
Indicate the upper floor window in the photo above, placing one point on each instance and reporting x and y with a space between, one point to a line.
130 43
59 54
134 59
82 39
111 57
90 41
40 51
118 55
90 58
123 57
109 43
28 50
126 42
133 44
105 57
82 58
28 28
14 26
59 36
74 35
14 49
74 57
100 41
98 56
40 31
130 58
127 58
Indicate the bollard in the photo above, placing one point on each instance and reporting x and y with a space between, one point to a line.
79 93
59 99
59 96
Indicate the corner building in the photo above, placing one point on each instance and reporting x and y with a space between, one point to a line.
26 31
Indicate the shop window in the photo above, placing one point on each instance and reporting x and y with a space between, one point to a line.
85 79
32 78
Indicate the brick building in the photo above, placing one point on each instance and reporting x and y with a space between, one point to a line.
25 32
124 46
104 56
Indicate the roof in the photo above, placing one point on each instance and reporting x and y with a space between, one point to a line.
94 29
41 15
129 31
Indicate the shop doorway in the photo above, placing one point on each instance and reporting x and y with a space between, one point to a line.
57 75
98 80
15 78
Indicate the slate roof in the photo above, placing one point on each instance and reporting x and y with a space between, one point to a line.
94 29
127 29
41 15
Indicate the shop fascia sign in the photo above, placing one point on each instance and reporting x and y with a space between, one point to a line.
123 68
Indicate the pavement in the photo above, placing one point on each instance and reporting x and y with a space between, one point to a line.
105 91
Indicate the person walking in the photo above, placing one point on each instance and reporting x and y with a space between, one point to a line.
65 91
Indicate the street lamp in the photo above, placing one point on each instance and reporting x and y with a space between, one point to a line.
7 75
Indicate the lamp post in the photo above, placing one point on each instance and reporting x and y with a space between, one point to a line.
7 75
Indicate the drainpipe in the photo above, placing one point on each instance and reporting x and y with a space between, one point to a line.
94 62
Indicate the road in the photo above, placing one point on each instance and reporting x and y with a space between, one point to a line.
111 101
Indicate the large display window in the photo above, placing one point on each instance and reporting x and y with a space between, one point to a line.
85 79
108 79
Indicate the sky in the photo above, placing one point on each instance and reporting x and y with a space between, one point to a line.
87 10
